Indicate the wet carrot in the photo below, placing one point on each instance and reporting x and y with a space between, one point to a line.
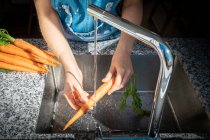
20 61
7 66
100 92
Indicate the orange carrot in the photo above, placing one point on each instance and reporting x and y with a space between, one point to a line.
4 65
33 49
100 92
12 49
49 53
20 61
30 62
41 60
5 38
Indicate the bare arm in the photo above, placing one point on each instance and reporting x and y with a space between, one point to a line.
121 66
54 35
132 11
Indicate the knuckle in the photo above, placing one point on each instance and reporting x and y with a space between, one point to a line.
122 86
114 88
129 72
117 84
123 70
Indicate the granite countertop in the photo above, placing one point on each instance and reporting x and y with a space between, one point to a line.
21 93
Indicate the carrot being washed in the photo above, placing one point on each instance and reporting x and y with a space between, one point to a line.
11 49
100 92
20 61
4 36
7 66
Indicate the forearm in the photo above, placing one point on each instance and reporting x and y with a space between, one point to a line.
132 11
54 35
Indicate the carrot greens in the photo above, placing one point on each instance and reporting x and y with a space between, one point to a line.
131 90
5 37
4 70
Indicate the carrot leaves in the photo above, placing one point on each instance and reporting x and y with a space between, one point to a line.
131 90
3 41
4 70
5 37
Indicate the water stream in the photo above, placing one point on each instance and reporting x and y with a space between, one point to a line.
95 71
97 126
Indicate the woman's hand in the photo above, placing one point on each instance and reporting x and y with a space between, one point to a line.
73 91
121 67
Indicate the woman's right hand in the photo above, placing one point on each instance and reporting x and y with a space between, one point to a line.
73 90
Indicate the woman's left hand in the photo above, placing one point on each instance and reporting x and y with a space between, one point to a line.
121 67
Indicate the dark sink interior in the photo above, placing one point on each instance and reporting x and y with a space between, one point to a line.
185 104
178 114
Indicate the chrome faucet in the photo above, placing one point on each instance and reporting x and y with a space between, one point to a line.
165 56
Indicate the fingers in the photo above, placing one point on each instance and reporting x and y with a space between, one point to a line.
74 99
126 77
71 101
120 80
108 75
117 83
75 95
82 95
79 102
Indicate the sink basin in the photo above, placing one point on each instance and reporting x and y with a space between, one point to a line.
184 102
178 115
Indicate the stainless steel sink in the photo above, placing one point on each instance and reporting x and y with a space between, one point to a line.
185 104
182 111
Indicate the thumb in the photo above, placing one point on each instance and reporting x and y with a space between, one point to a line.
108 75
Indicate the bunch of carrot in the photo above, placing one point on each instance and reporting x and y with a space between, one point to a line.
19 55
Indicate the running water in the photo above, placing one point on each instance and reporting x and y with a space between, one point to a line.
95 57
97 126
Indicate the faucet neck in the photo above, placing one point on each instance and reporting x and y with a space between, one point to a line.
155 41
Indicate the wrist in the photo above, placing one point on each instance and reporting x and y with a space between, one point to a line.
76 73
124 48
74 69
125 43
68 60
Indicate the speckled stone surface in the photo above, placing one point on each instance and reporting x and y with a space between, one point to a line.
194 54
21 93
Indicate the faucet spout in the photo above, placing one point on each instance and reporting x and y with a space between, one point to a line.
155 41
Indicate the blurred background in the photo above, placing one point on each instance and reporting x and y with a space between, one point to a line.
169 18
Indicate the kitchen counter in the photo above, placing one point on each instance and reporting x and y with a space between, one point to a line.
21 93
